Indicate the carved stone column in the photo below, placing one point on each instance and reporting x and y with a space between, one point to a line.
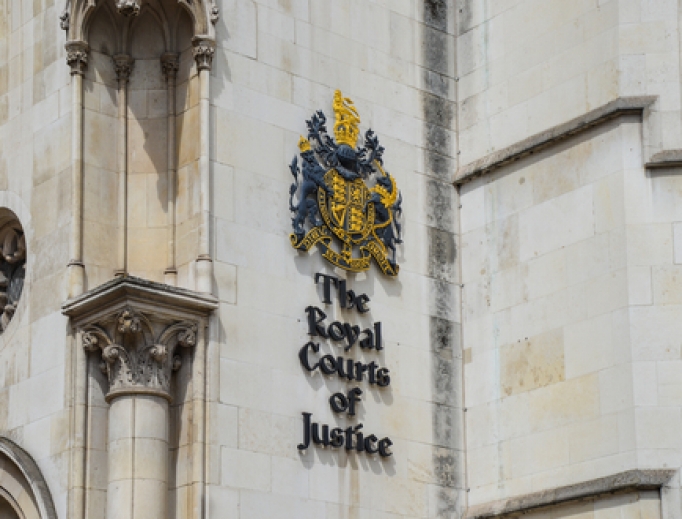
141 332
170 64
77 59
123 66
204 50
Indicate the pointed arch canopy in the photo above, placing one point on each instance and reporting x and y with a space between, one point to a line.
77 15
25 488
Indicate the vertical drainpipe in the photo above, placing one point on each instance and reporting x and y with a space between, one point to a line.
77 59
204 50
170 64
123 64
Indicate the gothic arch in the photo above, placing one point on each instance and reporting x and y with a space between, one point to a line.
23 490
77 15
134 64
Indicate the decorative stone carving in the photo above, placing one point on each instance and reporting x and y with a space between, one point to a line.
65 17
140 329
12 269
77 56
128 7
204 50
77 15
64 21
135 358
215 14
123 65
170 64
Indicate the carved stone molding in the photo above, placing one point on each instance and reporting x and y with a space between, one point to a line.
215 14
77 56
128 7
76 15
204 50
123 65
140 329
170 64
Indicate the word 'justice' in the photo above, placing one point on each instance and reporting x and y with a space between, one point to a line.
347 335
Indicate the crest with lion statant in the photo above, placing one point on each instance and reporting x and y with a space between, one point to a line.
342 198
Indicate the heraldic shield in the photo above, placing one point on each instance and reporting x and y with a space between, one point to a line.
342 199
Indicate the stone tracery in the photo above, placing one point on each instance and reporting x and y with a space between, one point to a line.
139 55
12 267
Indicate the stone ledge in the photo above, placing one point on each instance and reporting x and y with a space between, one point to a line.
615 108
120 290
631 480
665 159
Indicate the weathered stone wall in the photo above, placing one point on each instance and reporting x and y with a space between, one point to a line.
546 295
528 65
277 62
35 151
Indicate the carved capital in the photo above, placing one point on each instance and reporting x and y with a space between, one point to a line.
139 355
139 329
77 56
128 7
170 64
204 50
123 65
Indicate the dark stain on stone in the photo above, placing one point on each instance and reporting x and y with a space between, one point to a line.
439 112
443 386
444 427
440 210
446 466
436 14
442 254
436 50
445 338
464 17
436 84
446 501
442 299
438 138
439 166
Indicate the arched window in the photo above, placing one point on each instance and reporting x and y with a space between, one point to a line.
12 265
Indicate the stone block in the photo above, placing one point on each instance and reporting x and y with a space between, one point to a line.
595 439
589 346
615 389
556 223
653 332
536 453
587 259
669 383
531 364
655 427
246 470
645 383
288 478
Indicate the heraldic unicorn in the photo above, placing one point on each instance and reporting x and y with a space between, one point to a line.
342 192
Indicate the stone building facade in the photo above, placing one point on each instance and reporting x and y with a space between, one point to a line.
165 351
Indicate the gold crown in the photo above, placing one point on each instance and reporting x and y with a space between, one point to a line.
347 119
303 144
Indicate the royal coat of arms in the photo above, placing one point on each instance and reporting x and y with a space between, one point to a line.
342 199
